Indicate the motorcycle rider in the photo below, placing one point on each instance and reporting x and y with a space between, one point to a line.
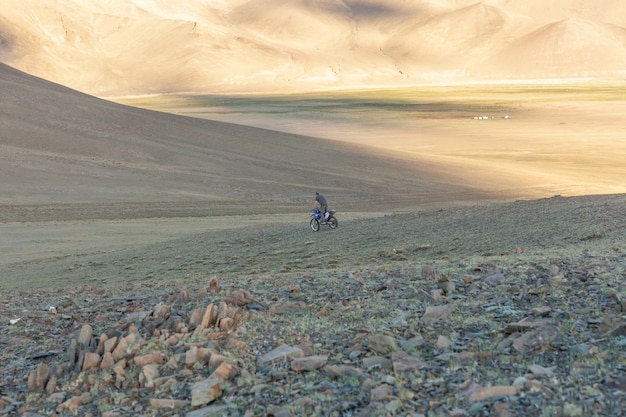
323 204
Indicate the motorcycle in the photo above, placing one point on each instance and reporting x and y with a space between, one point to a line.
318 218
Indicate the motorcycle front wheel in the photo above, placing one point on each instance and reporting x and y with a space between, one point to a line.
315 225
332 222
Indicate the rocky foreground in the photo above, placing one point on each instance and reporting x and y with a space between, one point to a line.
521 339
503 310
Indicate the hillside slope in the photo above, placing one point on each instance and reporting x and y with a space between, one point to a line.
58 146
149 46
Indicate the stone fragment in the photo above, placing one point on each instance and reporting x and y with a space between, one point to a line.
206 391
107 361
383 392
443 342
204 354
167 403
84 337
438 312
209 317
445 285
540 370
373 362
121 350
149 359
72 352
38 378
215 360
195 318
149 373
226 372
403 362
413 343
73 403
309 363
191 357
382 344
91 361
490 393
612 324
282 352
109 344
540 339
342 371
210 411
542 311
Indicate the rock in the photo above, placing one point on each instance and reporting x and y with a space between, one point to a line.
495 278
210 411
542 311
490 393
443 342
84 337
72 352
149 373
167 403
204 354
38 378
216 360
403 362
282 352
73 403
195 318
468 388
91 361
342 371
445 285
121 350
381 393
438 312
109 344
540 339
382 344
149 359
226 372
209 317
610 323
107 361
206 391
373 362
539 370
413 343
191 356
309 363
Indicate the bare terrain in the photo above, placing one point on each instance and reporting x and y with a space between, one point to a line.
451 287
156 264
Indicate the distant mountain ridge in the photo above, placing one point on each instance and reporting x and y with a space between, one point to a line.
123 47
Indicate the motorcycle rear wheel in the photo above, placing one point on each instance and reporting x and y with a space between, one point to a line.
332 222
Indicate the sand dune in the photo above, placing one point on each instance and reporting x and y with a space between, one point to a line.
147 46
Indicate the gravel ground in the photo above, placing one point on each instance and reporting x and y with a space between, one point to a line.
506 309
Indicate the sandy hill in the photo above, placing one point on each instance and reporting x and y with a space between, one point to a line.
143 46
58 145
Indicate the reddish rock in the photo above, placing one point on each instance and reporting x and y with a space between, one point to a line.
38 378
206 391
